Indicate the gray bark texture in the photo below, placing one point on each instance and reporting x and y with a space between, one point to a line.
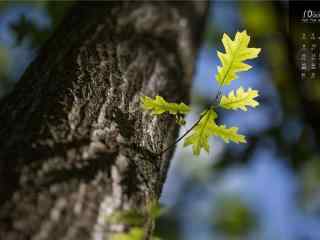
75 145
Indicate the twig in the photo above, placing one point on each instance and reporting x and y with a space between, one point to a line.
185 134
215 104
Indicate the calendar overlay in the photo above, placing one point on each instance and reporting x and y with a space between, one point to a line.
305 32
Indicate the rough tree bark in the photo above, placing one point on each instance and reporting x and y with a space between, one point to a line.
74 143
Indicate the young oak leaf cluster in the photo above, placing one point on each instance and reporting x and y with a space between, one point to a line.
232 62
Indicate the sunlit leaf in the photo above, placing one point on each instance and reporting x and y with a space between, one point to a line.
232 61
241 100
201 133
207 128
227 134
159 105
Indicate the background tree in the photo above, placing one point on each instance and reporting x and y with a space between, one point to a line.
75 146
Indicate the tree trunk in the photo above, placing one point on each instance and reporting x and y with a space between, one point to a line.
75 145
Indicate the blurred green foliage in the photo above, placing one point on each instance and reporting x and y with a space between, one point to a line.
5 61
24 28
136 218
135 233
233 218
167 226
259 18
310 176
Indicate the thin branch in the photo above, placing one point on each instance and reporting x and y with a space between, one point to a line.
215 104
185 134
